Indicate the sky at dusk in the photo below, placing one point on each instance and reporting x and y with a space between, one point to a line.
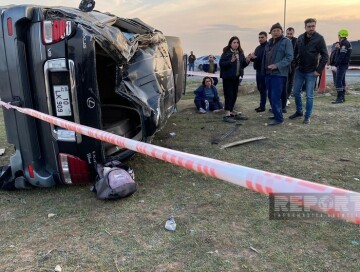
206 26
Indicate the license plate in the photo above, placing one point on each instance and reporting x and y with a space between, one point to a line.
62 100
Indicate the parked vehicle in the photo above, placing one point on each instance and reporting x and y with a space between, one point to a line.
199 62
96 69
355 54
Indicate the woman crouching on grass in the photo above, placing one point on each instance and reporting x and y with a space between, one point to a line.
207 93
232 64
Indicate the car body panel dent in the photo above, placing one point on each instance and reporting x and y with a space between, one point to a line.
138 53
118 75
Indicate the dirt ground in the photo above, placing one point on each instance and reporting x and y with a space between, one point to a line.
220 227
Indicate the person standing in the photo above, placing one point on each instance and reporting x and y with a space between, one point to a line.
276 63
290 31
310 56
232 64
331 61
191 61
211 68
257 58
341 62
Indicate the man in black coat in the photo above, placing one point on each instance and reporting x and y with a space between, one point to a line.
310 56
290 31
257 57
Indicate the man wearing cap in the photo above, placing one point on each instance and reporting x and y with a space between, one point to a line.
310 57
341 62
275 65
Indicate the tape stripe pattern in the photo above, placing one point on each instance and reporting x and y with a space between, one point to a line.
253 179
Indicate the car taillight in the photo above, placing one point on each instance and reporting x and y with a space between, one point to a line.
74 170
55 31
31 171
10 26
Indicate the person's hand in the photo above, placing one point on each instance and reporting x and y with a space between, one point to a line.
233 58
272 67
316 73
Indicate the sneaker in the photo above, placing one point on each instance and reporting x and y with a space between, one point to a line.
260 109
201 110
288 102
275 123
295 115
239 117
306 120
228 119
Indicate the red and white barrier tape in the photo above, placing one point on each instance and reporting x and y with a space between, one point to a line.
204 74
253 179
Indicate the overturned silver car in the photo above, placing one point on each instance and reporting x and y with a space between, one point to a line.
96 69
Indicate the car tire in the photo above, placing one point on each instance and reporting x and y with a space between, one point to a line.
200 67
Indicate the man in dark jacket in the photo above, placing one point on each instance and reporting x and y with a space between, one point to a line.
310 58
257 57
211 68
341 62
191 61
276 62
290 31
331 61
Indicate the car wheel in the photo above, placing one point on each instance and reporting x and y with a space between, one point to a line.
200 67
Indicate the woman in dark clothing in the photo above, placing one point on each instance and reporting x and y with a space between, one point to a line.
207 92
232 64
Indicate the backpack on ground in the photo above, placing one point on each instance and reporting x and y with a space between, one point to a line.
115 180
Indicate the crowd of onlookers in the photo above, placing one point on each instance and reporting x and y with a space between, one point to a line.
285 66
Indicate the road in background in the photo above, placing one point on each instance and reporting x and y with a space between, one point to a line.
352 76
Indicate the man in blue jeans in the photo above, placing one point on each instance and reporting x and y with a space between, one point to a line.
310 57
191 61
277 58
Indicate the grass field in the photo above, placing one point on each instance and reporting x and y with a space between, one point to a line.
220 227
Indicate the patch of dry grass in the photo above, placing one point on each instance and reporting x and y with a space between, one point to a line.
216 222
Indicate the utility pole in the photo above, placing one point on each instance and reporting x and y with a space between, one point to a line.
284 13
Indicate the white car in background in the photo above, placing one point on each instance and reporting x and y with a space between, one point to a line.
199 62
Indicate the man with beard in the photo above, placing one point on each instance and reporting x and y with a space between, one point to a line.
310 58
